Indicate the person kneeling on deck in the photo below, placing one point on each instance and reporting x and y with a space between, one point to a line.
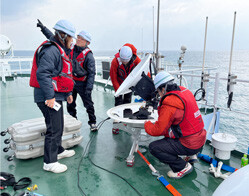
122 65
51 77
180 121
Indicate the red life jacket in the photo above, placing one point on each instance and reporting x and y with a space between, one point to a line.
81 59
192 121
122 73
61 83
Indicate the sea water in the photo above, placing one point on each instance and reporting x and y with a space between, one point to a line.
230 122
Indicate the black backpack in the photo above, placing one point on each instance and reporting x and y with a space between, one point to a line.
10 179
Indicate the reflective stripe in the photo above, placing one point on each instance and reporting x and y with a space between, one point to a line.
69 65
65 28
162 79
119 61
65 56
54 83
184 90
85 51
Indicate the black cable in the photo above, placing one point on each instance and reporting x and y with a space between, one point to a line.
78 171
88 146
115 175
102 122
202 90
99 125
93 135
22 183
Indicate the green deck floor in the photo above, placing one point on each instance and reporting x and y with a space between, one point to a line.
107 150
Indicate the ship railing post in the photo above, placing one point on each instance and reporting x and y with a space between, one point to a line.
216 88
20 68
192 80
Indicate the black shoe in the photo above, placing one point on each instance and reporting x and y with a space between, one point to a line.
93 127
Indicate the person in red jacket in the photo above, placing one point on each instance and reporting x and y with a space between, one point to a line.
181 124
122 65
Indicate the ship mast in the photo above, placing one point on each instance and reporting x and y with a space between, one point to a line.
157 44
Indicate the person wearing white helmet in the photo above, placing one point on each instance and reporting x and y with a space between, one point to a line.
122 65
83 73
65 31
125 54
51 77
181 124
83 58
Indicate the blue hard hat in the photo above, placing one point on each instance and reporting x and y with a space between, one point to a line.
66 27
85 35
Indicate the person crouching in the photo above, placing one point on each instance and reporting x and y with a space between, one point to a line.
180 121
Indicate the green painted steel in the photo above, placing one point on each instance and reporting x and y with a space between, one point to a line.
107 150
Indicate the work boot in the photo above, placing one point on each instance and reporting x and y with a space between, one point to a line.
177 175
115 131
191 159
66 153
55 167
93 127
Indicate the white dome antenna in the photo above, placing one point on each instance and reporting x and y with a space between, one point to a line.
5 46
183 48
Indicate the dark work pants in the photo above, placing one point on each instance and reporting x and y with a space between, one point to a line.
167 151
123 99
87 102
55 123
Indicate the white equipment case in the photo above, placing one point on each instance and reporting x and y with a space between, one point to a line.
27 137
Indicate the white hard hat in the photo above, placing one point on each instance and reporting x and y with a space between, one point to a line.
125 53
161 78
85 35
66 27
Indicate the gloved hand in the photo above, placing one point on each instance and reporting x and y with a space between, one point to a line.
39 24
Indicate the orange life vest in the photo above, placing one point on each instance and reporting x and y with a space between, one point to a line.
81 59
61 83
192 121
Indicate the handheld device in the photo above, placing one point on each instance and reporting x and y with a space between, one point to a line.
56 106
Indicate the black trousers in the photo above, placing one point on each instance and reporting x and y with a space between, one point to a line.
87 102
167 151
123 99
55 123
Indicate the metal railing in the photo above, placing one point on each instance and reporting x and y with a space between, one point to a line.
23 65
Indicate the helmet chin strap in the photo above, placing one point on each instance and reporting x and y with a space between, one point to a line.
87 44
62 38
165 88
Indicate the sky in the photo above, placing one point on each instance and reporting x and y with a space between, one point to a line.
113 23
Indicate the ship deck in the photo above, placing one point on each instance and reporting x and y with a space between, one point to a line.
106 150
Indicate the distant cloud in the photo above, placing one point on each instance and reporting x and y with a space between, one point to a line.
113 23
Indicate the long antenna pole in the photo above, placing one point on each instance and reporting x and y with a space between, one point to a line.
153 30
142 39
231 78
231 52
157 55
204 50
